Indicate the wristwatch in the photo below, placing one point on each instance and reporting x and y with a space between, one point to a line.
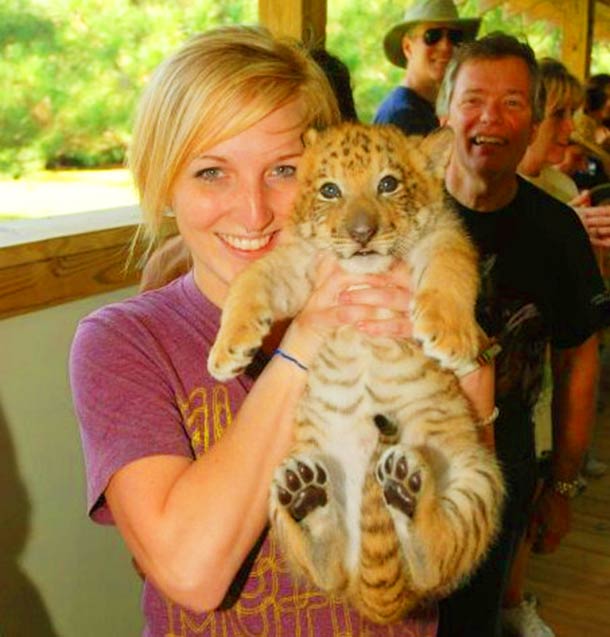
567 489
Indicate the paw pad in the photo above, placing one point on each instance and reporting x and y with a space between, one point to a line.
401 483
301 488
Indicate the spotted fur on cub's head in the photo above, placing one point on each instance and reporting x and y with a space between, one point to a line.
365 190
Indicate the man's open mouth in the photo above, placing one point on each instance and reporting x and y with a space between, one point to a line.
479 140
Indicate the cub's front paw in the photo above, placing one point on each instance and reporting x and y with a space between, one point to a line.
236 345
300 487
402 475
447 331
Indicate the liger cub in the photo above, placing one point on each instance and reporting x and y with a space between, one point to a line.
387 497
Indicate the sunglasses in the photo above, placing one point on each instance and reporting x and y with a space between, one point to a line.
435 35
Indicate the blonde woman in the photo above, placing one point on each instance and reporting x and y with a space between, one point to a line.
180 463
557 131
564 95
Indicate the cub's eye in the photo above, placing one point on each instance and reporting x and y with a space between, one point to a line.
330 190
387 184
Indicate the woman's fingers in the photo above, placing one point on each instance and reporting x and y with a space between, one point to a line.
597 222
389 297
396 326
596 217
374 303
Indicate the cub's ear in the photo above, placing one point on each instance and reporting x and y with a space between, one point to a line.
309 137
437 146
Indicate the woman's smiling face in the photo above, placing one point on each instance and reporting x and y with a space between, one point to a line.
231 201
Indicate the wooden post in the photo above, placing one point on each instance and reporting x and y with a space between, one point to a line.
577 36
301 19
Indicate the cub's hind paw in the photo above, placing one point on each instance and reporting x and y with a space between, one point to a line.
300 486
401 475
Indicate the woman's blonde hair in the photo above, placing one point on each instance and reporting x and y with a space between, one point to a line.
561 87
218 85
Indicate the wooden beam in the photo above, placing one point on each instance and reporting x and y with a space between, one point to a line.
577 36
52 271
304 20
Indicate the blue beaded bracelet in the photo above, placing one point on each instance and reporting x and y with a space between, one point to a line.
288 357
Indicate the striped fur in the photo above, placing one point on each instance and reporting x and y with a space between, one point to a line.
387 497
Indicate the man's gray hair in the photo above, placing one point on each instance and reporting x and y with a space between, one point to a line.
494 46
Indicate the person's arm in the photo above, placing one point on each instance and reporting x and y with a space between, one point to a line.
190 525
575 372
479 387
596 219
575 376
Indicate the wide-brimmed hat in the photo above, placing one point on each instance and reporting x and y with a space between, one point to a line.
584 135
441 11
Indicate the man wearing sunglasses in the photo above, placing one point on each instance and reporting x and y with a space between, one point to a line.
422 43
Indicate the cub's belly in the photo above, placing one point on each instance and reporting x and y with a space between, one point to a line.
355 377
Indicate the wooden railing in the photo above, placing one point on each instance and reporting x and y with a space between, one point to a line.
48 262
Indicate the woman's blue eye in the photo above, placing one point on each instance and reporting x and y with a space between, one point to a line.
330 190
209 174
284 171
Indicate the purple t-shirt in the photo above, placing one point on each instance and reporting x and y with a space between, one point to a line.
141 388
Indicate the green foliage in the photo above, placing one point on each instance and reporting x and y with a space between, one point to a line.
354 32
71 71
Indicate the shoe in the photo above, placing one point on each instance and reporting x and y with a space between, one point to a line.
524 621
594 468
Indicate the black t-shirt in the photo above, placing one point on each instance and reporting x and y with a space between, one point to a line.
539 284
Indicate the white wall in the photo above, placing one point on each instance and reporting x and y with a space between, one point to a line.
60 574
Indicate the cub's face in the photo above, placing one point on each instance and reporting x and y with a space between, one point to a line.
365 191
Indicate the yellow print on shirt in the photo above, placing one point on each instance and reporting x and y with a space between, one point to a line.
206 413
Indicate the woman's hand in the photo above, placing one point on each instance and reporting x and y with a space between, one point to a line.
596 220
381 305
550 521
377 304
583 198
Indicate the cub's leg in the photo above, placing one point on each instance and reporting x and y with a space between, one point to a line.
402 472
307 519
445 268
408 486
444 519
270 289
